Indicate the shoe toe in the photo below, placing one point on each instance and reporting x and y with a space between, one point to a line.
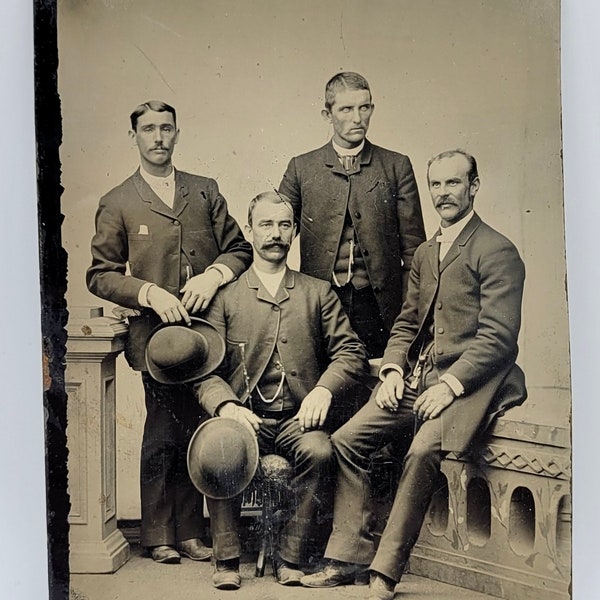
195 550
289 576
165 555
227 580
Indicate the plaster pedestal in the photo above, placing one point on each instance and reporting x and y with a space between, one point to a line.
94 341
500 522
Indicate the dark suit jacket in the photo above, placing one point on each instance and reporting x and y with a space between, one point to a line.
475 298
135 229
307 324
383 201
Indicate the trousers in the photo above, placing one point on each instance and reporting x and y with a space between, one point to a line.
354 444
311 456
171 505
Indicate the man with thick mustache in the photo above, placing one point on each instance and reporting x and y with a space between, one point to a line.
359 213
174 233
292 359
447 371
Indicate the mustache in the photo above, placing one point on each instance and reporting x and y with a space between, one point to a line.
282 245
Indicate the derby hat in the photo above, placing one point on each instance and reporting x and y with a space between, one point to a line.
181 353
222 457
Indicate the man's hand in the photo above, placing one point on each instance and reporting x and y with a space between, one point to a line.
241 414
390 391
314 408
433 401
200 289
167 306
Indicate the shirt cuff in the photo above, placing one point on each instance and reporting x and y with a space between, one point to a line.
143 295
226 273
455 385
389 367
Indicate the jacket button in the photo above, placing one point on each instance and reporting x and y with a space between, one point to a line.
440 330
176 223
439 305
275 308
365 252
192 252
376 289
439 351
357 215
284 340
293 373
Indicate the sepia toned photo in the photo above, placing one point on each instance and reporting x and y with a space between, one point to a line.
316 339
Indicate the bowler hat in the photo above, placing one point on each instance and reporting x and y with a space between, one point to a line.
222 457
182 353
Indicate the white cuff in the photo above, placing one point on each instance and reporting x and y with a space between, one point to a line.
389 367
226 273
455 385
143 294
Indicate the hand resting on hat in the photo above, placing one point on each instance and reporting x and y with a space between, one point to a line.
167 306
241 414
314 408
200 290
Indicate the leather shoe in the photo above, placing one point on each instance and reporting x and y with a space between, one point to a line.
165 554
381 587
227 574
335 573
287 573
194 549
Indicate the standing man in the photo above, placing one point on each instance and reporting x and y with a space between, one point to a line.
448 370
172 230
359 213
291 359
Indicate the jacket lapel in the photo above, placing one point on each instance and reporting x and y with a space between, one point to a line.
330 158
147 195
255 283
433 254
181 192
461 240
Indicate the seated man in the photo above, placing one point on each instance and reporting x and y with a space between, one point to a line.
448 369
291 356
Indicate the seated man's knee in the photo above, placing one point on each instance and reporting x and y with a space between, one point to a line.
319 451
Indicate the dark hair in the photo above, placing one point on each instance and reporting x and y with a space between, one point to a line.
156 106
274 197
344 81
472 173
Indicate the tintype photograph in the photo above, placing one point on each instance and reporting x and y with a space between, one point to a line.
313 325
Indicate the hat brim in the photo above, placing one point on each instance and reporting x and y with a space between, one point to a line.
194 451
216 352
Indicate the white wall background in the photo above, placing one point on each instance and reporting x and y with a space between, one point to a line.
247 80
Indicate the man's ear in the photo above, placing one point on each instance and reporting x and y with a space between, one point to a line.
474 186
248 232
326 114
132 135
176 138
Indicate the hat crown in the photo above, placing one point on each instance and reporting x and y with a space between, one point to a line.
222 457
176 345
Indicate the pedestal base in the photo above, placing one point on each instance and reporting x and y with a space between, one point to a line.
104 556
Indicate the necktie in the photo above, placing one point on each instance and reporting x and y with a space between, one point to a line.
348 162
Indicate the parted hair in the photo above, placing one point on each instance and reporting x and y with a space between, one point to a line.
347 80
274 197
472 173
156 106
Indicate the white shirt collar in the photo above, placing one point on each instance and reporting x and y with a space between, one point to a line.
450 233
348 151
154 181
271 281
